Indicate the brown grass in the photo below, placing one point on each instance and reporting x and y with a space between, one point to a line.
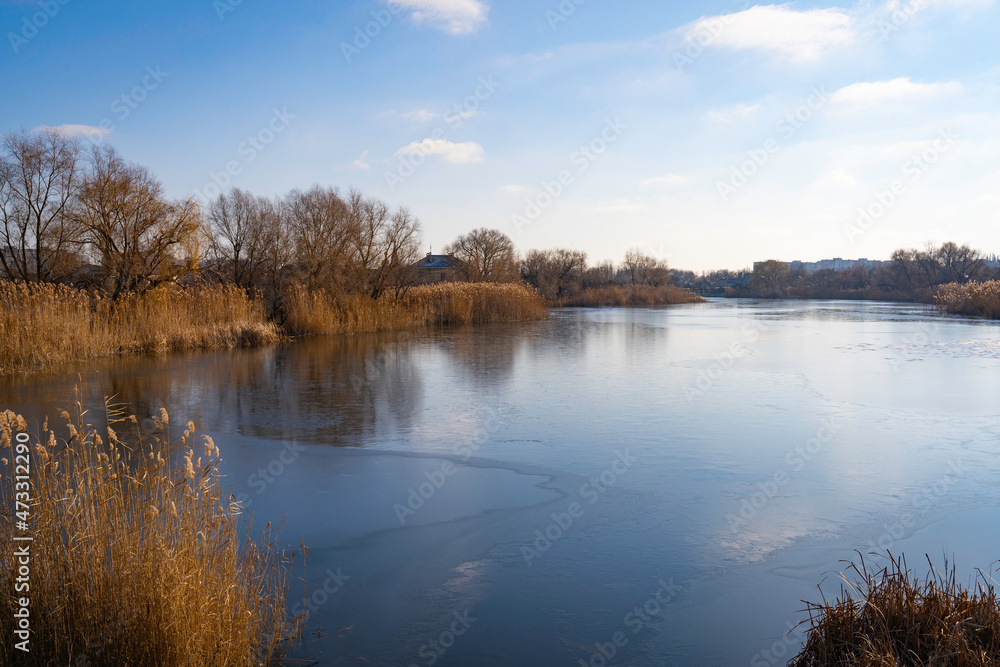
891 618
446 303
317 313
975 299
137 560
42 325
631 295
476 303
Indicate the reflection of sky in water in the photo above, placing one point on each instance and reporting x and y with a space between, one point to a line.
715 401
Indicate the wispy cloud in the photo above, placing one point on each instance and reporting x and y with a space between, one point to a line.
515 190
875 93
362 162
795 36
76 130
733 114
421 115
464 153
838 178
455 17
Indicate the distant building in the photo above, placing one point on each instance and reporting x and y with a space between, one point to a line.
835 264
437 269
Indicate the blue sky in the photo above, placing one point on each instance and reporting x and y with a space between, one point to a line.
710 134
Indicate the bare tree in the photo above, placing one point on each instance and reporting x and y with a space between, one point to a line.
643 269
247 237
485 255
554 273
129 226
321 229
385 245
38 181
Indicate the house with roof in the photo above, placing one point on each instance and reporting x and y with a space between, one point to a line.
437 269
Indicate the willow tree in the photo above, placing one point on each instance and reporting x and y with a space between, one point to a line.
132 230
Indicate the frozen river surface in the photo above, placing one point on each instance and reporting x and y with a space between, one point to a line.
609 487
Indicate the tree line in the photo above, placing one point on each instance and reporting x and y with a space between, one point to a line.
89 217
909 275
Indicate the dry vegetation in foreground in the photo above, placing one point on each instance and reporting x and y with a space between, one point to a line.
975 299
309 313
891 618
45 324
136 561
631 295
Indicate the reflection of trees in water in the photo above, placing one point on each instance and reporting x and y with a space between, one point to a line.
341 390
485 355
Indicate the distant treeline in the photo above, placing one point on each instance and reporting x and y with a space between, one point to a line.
910 275
91 219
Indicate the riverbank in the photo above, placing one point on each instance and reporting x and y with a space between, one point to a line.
45 325
317 313
42 325
631 295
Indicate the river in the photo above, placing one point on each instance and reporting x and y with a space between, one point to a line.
655 486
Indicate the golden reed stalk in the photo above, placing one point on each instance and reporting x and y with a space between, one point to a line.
445 303
975 299
42 324
138 557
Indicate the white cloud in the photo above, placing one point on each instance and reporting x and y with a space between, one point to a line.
667 180
464 153
466 115
733 115
838 178
88 131
797 36
421 115
875 93
456 17
514 190
361 162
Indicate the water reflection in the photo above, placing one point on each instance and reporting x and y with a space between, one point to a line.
339 390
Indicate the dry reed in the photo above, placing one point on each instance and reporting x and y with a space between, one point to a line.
318 312
309 313
631 295
42 325
891 618
975 299
476 303
138 557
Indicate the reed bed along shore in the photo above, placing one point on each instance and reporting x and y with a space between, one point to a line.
974 299
137 556
312 313
42 325
889 617
476 303
631 295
